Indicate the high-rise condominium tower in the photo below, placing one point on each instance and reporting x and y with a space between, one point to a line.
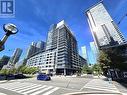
35 47
84 52
15 57
104 30
60 56
61 38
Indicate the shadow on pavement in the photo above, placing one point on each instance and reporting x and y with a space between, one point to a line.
123 82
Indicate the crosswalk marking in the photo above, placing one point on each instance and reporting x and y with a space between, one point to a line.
27 88
98 84
2 93
51 91
40 91
30 91
9 84
24 87
11 87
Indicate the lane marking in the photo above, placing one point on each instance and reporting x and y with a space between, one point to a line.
51 91
2 93
30 91
24 86
29 88
102 89
40 91
14 86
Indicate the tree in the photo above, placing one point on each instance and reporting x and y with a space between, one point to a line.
21 69
86 69
104 58
104 61
96 68
27 70
117 60
4 71
12 71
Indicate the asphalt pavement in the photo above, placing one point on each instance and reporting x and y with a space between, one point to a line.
60 85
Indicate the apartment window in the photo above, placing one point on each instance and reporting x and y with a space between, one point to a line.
59 64
60 60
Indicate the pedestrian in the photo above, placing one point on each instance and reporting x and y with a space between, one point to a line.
109 79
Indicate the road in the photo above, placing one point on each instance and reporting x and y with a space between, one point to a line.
58 86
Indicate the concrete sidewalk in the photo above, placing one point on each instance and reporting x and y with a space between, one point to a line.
100 85
3 81
121 88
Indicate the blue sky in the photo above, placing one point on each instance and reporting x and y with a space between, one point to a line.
34 17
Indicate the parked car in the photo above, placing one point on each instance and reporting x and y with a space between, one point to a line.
44 77
10 77
2 77
19 76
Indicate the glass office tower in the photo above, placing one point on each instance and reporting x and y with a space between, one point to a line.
84 52
104 30
16 55
95 51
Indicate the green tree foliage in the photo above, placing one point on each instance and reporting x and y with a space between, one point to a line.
86 69
112 59
22 69
117 60
12 71
4 71
27 70
104 58
96 68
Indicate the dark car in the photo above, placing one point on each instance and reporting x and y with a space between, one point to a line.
2 77
19 76
10 77
43 77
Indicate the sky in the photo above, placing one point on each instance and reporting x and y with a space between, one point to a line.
34 17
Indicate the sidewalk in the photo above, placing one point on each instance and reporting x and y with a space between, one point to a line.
121 88
100 85
3 81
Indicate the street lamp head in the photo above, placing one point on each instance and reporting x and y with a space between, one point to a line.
10 29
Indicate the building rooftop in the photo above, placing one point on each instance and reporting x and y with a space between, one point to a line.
100 2
60 23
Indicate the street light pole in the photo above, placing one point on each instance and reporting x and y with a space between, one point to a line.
9 29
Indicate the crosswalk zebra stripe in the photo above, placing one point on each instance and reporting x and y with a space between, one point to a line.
30 91
40 91
8 84
15 86
12 86
51 91
25 86
102 89
100 85
29 88
2 93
